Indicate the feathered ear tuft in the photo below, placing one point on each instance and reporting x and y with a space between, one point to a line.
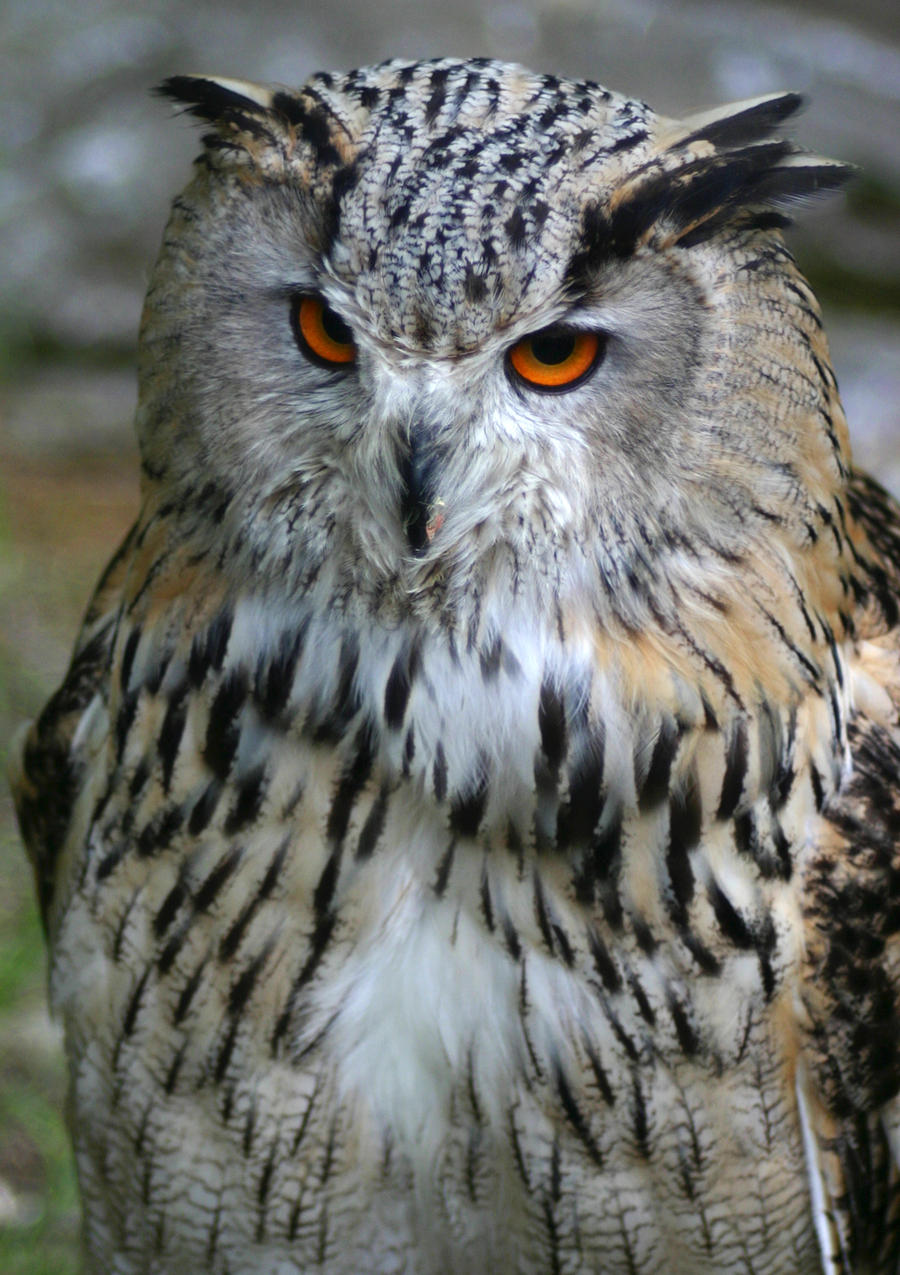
738 123
801 176
741 134
253 117
216 99
721 168
239 112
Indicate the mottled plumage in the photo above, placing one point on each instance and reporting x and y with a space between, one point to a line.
468 832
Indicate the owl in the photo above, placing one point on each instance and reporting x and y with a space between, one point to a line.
468 832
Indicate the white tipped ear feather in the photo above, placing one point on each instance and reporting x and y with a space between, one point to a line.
778 105
261 94
734 124
804 159
218 99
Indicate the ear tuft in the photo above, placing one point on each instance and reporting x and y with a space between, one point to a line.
217 99
728 167
738 123
801 176
750 168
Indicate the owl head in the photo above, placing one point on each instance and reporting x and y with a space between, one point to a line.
452 327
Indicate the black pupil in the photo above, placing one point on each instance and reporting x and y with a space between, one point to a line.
554 347
335 328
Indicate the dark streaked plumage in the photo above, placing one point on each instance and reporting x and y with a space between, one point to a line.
467 833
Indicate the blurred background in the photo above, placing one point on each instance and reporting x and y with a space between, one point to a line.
88 164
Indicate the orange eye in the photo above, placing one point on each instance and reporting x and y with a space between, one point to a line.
557 358
321 334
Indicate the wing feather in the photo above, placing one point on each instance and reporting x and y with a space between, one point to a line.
847 1086
49 756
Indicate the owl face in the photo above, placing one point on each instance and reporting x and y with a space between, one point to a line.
451 315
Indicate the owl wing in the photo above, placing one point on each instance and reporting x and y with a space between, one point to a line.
49 756
848 1074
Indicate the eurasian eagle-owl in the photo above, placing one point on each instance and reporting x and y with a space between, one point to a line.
467 833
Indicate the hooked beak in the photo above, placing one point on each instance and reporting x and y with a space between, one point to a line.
420 507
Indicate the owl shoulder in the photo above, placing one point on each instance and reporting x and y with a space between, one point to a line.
849 1074
49 756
